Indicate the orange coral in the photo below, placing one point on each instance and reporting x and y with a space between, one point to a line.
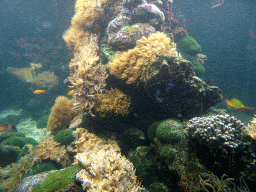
61 114
113 102
134 64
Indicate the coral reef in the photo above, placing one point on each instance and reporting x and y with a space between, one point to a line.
169 131
103 167
113 102
191 50
61 115
89 16
132 24
106 170
14 173
24 74
173 90
222 145
45 80
86 141
58 180
50 149
224 130
251 128
64 137
87 75
134 65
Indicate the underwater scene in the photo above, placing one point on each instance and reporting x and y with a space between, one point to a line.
128 95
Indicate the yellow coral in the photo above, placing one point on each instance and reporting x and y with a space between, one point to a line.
113 102
104 168
134 64
251 128
61 115
92 17
50 149
87 75
24 74
45 80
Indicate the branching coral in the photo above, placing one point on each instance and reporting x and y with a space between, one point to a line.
134 65
61 115
50 149
251 128
103 168
113 102
87 75
86 141
89 16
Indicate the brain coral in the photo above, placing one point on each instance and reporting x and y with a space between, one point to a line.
134 65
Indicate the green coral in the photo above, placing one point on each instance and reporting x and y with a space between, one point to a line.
158 187
189 48
188 45
169 131
19 141
64 137
44 165
152 130
168 153
9 154
58 180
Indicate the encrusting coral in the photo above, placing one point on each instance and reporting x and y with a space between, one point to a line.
113 102
134 65
104 169
61 115
87 75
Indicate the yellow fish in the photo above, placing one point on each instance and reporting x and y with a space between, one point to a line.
39 91
237 105
71 92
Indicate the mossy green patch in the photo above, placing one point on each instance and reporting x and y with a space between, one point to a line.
58 180
64 137
169 131
9 154
19 141
189 46
44 165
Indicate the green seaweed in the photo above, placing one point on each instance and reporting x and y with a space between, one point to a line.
58 180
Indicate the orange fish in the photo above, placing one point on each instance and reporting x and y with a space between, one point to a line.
237 105
39 91
71 92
